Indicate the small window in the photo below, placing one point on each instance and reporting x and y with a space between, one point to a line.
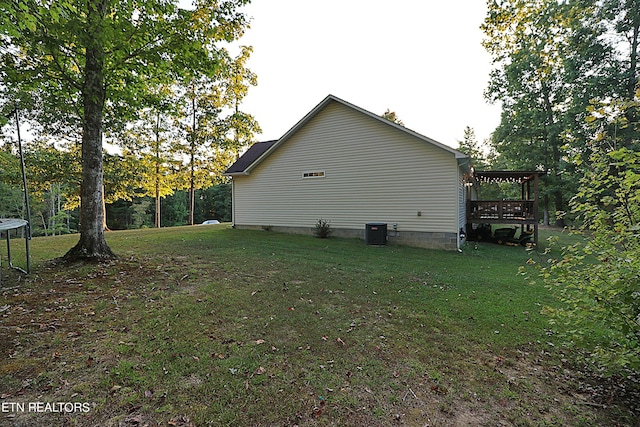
314 174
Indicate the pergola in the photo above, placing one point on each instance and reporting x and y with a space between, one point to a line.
523 212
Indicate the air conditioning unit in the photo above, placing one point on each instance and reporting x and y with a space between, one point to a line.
375 233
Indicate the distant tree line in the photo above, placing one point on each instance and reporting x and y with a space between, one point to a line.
52 176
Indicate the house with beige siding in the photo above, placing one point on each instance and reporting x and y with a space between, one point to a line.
353 168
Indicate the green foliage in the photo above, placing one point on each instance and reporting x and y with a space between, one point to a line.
211 127
90 65
9 166
11 201
598 279
52 180
59 221
471 147
213 203
175 209
323 228
550 60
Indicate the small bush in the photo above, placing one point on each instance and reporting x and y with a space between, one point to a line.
323 228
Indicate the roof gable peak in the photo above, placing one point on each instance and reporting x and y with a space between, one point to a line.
253 157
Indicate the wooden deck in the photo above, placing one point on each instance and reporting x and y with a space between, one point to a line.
502 211
522 212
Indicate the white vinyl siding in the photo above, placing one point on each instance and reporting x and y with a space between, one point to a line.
373 173
462 201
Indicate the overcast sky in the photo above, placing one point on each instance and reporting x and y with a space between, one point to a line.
420 58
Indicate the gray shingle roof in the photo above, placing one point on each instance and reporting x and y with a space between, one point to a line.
250 156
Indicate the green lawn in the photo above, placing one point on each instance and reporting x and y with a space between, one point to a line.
211 326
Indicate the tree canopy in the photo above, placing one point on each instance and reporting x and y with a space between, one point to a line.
79 67
551 59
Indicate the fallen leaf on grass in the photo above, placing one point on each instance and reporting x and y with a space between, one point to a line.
438 389
259 342
137 419
181 421
260 370
318 409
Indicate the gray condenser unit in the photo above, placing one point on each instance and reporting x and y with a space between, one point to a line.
375 233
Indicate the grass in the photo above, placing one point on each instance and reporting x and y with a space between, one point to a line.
211 326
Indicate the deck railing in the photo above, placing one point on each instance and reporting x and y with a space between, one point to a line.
510 210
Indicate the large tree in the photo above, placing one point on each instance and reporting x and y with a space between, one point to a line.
551 59
214 127
526 41
93 61
471 147
149 146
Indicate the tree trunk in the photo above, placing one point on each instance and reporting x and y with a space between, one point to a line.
92 245
157 173
553 139
631 112
192 202
105 227
192 162
632 81
157 216
546 210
